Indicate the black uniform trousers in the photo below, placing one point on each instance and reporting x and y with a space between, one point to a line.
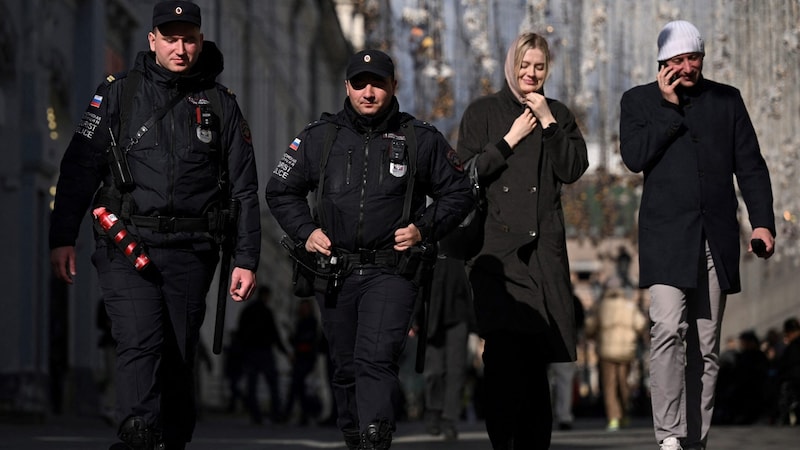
155 319
366 325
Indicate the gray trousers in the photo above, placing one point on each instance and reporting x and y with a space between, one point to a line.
684 356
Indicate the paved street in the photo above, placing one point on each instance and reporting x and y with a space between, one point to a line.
235 433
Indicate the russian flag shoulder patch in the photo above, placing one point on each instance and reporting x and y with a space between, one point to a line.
97 101
295 144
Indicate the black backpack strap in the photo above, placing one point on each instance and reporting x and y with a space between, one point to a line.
212 94
331 130
411 143
130 84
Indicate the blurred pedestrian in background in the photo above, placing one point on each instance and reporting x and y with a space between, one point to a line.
617 325
789 374
258 336
305 347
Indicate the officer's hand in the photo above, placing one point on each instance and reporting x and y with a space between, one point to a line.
62 259
243 283
318 242
405 238
765 235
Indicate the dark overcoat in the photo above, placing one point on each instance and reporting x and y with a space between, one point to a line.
521 279
689 154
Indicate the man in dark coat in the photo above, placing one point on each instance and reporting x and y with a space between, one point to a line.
689 136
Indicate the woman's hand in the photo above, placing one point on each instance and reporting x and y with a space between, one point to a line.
538 104
521 127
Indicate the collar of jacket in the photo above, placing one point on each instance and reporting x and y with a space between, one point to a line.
687 94
384 121
508 95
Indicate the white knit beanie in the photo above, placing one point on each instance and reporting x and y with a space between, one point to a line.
679 37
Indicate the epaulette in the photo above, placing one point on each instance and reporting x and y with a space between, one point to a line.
314 124
424 124
115 77
228 91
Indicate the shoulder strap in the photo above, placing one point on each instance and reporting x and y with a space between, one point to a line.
212 94
411 142
130 85
331 129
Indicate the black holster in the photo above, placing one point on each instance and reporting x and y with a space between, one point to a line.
416 263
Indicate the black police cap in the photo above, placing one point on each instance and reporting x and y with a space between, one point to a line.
372 61
176 11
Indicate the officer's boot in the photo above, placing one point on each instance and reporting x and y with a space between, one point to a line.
352 439
136 435
379 436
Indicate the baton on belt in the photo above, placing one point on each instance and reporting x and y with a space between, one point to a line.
428 263
227 245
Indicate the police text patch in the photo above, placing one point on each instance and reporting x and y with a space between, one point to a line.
285 166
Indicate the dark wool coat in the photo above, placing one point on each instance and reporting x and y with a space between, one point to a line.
689 154
521 279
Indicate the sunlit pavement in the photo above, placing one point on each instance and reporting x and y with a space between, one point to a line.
236 433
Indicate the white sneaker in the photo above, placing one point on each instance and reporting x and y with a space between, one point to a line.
671 443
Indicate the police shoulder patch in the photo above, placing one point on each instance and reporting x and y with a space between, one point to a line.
454 160
245 130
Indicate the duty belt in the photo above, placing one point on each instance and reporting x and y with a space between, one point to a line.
167 224
367 257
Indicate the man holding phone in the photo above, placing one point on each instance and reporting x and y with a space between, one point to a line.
690 135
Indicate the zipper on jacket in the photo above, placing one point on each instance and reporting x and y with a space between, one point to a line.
349 166
171 163
362 200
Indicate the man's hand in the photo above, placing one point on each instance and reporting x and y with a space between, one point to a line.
243 283
405 238
62 259
765 235
318 242
667 88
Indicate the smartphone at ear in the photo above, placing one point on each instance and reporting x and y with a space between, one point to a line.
661 65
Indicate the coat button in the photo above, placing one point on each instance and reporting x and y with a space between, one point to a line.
533 189
505 228
505 189
532 233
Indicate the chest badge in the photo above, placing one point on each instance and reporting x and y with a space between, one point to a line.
397 159
204 135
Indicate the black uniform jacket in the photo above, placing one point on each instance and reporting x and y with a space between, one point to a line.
364 191
521 278
176 174
689 154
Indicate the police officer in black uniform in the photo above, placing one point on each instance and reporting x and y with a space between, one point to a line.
169 198
367 229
